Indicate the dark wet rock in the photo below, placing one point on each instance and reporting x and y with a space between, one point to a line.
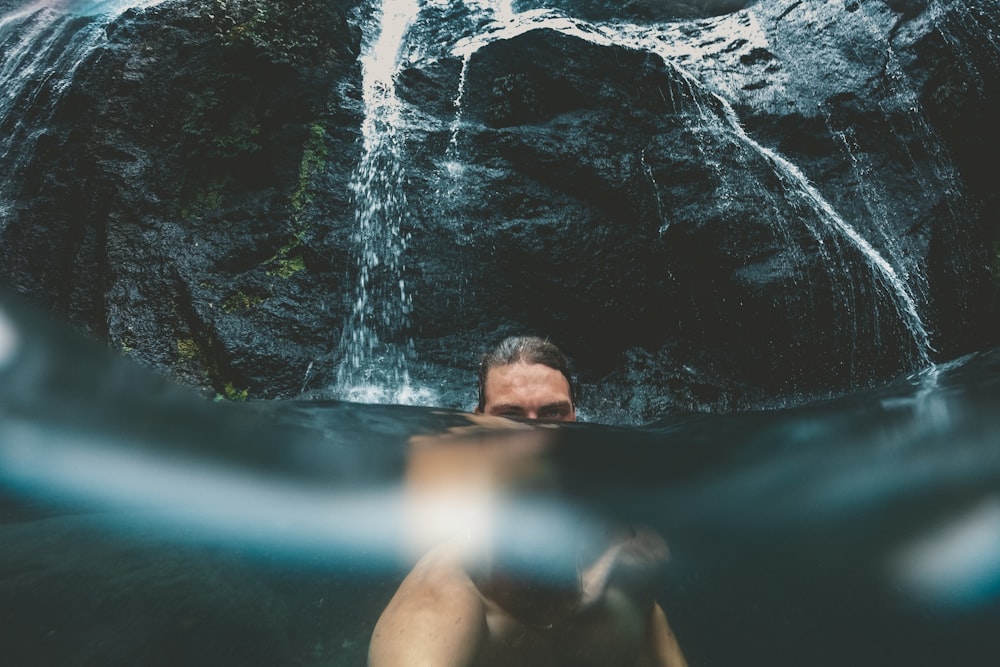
618 229
189 201
643 10
165 208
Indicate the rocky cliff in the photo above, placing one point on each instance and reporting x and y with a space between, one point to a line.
713 205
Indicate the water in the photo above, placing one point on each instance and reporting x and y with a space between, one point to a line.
883 273
141 522
136 515
42 45
674 47
902 110
975 24
375 344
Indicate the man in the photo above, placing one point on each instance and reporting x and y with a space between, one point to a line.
458 609
529 378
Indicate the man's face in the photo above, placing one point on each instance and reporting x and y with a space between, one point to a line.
528 391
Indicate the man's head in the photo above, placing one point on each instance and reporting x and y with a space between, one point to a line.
527 377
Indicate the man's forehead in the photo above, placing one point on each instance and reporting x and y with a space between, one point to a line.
525 379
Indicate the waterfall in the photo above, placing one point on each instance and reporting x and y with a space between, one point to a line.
41 47
905 117
451 156
882 271
418 68
499 13
669 43
977 26
375 355
646 169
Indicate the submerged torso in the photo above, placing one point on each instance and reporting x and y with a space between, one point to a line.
608 634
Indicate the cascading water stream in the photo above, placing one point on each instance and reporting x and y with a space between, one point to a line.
41 47
905 117
44 44
671 48
979 28
883 273
374 345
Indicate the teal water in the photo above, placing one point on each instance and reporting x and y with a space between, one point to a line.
141 523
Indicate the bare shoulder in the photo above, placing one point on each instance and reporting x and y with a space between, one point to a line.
435 618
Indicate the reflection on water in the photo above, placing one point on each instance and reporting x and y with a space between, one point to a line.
141 523
958 564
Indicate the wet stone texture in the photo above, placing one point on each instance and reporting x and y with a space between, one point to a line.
751 212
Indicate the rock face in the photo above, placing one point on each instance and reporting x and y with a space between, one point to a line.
756 205
640 10
169 204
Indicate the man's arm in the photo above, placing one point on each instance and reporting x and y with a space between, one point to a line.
660 647
435 619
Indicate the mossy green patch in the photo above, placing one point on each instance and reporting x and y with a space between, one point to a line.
288 260
217 124
233 394
313 162
286 267
287 32
241 302
187 349
199 197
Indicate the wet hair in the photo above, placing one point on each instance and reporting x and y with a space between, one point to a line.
527 350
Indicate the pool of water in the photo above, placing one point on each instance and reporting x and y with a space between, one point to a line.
144 523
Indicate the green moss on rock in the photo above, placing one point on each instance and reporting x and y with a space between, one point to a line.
233 394
188 350
290 32
241 302
286 267
313 162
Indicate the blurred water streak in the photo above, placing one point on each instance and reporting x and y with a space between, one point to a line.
872 516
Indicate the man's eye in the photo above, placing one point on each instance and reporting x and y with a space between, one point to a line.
553 413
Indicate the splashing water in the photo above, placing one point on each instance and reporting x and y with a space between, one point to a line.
882 271
41 47
374 365
904 113
498 13
669 44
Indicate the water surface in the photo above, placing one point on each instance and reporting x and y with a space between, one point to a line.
142 522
